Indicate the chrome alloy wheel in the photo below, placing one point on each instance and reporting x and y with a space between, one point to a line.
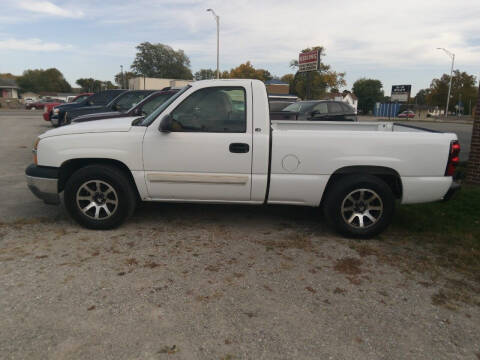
362 208
97 200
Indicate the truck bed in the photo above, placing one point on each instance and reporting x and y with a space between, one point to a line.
347 126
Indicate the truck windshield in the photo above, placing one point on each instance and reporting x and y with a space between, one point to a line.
150 118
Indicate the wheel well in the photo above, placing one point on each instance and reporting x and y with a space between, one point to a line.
388 175
69 167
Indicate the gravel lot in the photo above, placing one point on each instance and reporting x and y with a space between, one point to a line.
215 282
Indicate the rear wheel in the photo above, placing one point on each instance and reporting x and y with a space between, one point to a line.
359 206
99 197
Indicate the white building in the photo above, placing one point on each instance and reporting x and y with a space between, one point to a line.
145 83
8 88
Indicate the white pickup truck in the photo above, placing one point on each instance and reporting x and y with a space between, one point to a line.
214 142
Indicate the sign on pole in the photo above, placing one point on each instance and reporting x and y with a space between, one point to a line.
309 61
400 93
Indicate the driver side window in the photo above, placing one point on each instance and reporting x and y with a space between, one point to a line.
128 100
216 109
321 108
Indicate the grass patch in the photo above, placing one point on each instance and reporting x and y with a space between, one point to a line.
452 228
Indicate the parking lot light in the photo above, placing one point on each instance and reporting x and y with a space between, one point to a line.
452 56
217 19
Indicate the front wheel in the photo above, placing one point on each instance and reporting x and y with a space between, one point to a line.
99 197
359 206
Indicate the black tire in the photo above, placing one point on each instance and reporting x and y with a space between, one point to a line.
94 184
346 193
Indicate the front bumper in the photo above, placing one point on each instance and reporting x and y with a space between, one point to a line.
43 183
54 120
453 189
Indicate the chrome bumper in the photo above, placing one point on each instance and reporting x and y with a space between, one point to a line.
45 188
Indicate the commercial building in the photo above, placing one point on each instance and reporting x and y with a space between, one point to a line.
145 83
277 87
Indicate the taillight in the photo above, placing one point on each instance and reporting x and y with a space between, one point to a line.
453 158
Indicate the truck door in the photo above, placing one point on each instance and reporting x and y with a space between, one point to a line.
207 156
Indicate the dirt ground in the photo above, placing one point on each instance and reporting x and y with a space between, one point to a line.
182 281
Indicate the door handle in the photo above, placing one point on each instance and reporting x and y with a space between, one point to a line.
238 148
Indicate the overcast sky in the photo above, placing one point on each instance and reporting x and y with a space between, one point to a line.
393 41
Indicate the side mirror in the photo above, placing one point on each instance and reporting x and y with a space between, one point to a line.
166 124
138 111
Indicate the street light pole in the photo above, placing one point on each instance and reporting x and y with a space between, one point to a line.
217 19
452 56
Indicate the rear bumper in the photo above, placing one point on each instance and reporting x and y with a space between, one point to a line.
43 183
424 189
452 191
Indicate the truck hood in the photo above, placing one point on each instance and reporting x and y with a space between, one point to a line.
123 124
98 116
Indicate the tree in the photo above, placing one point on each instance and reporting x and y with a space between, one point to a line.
463 85
473 168
422 97
8 76
94 85
314 84
368 91
38 80
159 60
127 75
205 74
247 71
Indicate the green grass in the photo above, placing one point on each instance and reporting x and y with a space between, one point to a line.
458 218
451 229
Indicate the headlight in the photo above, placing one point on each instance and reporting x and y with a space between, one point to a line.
56 111
34 151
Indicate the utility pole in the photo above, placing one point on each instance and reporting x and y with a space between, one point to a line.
217 19
452 56
459 103
123 82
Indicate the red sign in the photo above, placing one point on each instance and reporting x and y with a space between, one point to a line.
308 61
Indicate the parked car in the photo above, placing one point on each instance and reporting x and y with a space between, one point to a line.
278 105
406 114
143 108
198 147
122 103
283 97
316 110
48 108
28 100
40 104
101 98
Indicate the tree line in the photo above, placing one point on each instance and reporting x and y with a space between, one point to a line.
162 61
